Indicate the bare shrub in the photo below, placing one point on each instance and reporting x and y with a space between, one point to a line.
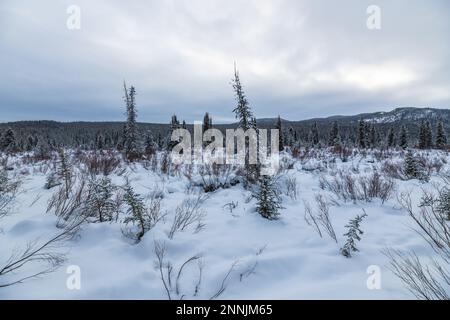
393 170
424 281
188 213
320 218
286 164
231 206
374 186
429 165
69 204
224 282
348 187
324 216
310 218
216 176
151 162
170 277
430 222
36 253
104 162
291 187
8 191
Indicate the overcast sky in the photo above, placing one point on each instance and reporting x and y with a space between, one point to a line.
299 59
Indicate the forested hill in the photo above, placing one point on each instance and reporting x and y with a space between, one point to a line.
86 134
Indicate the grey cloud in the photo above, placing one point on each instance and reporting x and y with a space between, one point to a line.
299 59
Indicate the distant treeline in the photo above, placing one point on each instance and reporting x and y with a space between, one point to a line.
32 135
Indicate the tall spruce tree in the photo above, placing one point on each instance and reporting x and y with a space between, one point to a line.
373 137
429 135
314 134
130 140
441 137
64 171
391 138
334 139
425 135
362 141
280 130
246 121
403 138
8 141
174 125
242 111
422 135
150 145
207 122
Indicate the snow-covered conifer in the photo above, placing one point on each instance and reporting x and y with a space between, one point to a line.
353 235
268 198
100 204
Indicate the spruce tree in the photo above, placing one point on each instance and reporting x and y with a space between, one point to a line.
425 135
130 140
362 134
391 138
410 166
42 149
31 143
334 138
353 235
64 171
268 198
443 203
441 138
246 121
280 130
8 141
403 138
100 204
373 137
242 111
99 142
314 134
422 135
174 125
150 145
207 122
429 135
136 213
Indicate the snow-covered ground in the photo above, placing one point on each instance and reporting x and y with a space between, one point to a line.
252 257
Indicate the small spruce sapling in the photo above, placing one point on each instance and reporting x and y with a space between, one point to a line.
143 216
100 202
136 213
410 165
268 198
353 235
413 169
443 204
